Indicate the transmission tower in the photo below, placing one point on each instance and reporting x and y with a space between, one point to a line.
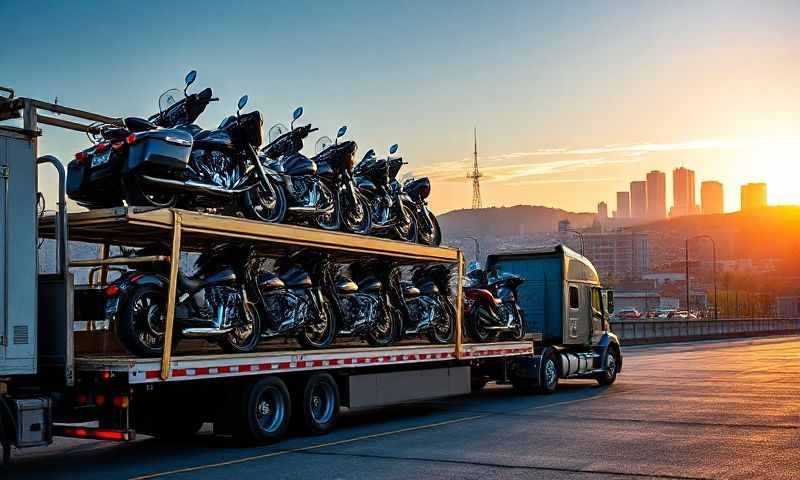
475 175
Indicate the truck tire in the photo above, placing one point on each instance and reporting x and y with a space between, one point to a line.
548 377
609 376
316 406
263 412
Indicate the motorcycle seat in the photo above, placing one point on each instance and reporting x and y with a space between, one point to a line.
429 288
269 281
136 124
370 284
409 290
345 285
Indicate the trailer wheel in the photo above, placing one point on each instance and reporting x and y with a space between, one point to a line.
317 405
265 411
609 376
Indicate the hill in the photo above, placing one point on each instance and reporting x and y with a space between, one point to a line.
508 221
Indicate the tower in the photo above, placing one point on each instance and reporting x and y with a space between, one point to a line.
475 175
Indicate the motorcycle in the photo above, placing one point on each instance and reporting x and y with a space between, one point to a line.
371 277
308 199
168 161
291 302
376 178
360 308
428 309
212 304
335 169
490 304
428 230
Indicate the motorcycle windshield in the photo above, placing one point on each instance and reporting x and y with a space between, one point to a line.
168 99
322 144
276 131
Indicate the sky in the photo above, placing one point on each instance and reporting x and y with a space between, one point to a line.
572 100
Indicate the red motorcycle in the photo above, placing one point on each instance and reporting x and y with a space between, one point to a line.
490 305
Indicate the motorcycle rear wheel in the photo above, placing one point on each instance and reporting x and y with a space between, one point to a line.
255 204
140 327
320 332
474 325
136 196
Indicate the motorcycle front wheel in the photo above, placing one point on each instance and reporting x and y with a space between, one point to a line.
319 332
261 204
432 236
356 218
243 338
407 231
136 196
386 331
443 329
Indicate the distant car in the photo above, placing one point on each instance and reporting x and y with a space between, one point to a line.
665 314
684 315
628 313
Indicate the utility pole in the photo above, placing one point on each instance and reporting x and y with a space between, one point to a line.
475 175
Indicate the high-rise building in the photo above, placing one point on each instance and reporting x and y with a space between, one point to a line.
711 197
602 211
683 192
617 254
754 196
623 205
656 195
638 199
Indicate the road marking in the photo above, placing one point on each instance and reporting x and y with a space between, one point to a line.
358 439
311 447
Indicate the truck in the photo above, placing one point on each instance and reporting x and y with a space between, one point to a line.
51 385
563 299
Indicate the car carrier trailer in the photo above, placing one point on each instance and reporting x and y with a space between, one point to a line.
46 389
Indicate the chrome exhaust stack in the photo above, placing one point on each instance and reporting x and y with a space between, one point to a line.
195 186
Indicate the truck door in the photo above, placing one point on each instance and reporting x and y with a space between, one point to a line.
597 314
578 302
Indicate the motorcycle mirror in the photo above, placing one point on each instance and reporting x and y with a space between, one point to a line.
393 149
370 153
341 132
298 112
190 78
242 102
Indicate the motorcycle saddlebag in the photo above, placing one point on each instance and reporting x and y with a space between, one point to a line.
77 176
163 150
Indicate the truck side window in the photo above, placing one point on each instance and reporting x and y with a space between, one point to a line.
574 301
597 306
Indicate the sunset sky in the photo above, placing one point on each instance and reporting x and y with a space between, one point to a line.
572 100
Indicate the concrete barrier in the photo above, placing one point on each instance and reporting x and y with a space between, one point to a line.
635 332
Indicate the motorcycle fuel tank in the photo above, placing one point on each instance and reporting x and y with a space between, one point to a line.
298 164
296 277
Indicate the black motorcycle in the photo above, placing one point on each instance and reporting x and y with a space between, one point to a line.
428 308
428 231
212 304
377 180
290 301
360 307
490 304
178 165
371 278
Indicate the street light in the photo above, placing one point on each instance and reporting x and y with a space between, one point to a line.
713 269
580 236
477 248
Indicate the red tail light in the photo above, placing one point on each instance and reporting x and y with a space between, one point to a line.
130 139
81 156
111 291
96 433
101 147
118 145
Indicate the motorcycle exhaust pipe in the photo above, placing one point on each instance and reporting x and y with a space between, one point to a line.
311 210
204 331
194 186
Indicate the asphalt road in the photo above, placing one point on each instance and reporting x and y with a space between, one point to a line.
727 409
